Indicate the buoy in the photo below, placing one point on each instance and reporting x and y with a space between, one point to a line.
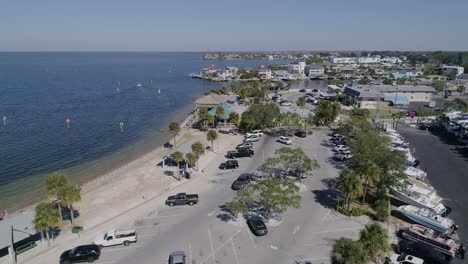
4 120
121 126
159 91
68 122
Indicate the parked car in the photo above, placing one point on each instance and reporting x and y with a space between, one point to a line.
302 90
286 103
177 257
244 145
311 100
252 138
116 237
257 226
241 181
229 165
84 253
403 259
242 152
182 199
284 140
254 133
340 148
343 156
301 134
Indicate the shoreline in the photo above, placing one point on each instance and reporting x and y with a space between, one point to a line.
93 182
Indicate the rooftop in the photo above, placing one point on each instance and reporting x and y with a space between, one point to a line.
401 88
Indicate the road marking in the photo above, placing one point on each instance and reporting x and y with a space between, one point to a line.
190 252
211 245
222 245
326 215
235 253
296 229
274 247
251 239
212 212
107 262
156 217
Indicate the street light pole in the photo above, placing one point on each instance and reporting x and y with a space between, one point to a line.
11 249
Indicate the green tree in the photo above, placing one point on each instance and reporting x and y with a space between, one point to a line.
381 208
220 112
70 195
360 112
210 119
374 238
401 81
174 128
326 112
191 159
46 218
370 174
289 159
178 157
259 116
461 89
387 81
55 181
349 184
211 136
439 86
272 194
346 251
198 150
234 118
301 102
364 81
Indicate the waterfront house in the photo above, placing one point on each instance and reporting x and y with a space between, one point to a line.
296 68
264 73
213 100
363 97
210 69
315 71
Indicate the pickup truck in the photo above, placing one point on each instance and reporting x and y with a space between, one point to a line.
182 199
116 237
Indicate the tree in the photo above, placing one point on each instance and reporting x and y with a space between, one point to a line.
198 150
370 174
46 218
203 115
211 136
381 208
374 238
360 112
70 195
461 89
439 86
259 116
401 81
191 159
273 194
349 184
346 251
289 160
178 157
301 102
220 112
364 81
55 181
387 81
234 118
174 128
326 112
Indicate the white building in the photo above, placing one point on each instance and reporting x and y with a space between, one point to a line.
315 71
369 60
343 60
449 69
264 73
391 60
297 68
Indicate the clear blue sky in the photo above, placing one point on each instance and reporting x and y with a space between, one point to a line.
241 25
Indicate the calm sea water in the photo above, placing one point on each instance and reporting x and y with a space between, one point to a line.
39 91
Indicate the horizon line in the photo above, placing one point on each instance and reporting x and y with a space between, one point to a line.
225 51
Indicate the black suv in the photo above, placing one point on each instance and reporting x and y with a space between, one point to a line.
301 134
242 152
230 164
257 226
241 181
84 253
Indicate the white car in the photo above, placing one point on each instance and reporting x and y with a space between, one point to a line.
343 156
254 133
340 148
252 138
403 259
284 140
286 103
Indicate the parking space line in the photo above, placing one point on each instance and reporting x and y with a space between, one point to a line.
326 215
222 245
211 245
235 253
190 253
251 239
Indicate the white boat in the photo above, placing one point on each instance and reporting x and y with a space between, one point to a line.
428 218
415 173
440 242
139 85
421 188
415 198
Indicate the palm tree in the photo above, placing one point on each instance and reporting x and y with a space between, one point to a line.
55 181
46 217
191 159
174 128
198 150
178 157
349 183
220 112
234 118
371 174
212 136
301 102
346 251
210 119
70 195
375 240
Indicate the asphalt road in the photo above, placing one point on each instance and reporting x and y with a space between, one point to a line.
447 166
202 232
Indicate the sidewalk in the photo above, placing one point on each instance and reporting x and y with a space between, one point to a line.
131 191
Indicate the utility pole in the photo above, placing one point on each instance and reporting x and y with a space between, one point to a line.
11 249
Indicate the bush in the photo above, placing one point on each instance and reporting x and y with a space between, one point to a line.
381 209
353 211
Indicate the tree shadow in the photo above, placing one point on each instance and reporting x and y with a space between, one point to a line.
338 164
66 215
227 214
329 196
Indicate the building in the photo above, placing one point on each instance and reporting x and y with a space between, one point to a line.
210 69
363 97
414 93
406 74
448 70
296 68
344 60
264 73
213 100
391 60
315 71
369 60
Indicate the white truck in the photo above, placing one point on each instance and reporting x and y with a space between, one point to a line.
116 237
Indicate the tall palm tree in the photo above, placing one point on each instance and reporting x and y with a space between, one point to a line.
346 251
371 174
211 136
234 118
70 195
348 182
178 157
174 128
46 218
375 240
220 112
55 181
191 159
301 102
198 150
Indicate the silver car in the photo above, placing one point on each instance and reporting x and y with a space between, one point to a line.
177 257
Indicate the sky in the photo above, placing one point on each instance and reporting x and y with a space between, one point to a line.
235 25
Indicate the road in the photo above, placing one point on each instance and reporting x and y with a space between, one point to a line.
205 235
447 166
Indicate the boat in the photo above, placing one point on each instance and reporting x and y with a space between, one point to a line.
412 197
421 188
415 173
428 218
139 85
440 242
